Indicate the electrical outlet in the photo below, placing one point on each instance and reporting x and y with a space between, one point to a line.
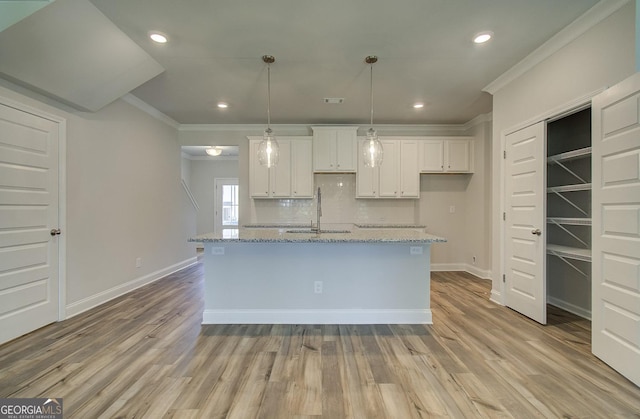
452 209
415 250
474 260
217 251
138 262
317 287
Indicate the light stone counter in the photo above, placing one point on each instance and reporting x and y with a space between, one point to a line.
273 275
332 233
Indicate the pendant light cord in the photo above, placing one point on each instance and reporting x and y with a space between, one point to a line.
268 95
371 89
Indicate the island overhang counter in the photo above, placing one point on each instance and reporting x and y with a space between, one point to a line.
289 276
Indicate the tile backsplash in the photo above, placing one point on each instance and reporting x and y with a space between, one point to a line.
339 205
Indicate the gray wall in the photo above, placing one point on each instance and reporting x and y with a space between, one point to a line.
601 57
124 199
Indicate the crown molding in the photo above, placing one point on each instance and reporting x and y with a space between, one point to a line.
145 107
480 119
575 29
259 128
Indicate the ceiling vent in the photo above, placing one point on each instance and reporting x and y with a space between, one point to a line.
334 100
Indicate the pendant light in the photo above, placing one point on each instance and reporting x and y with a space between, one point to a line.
268 150
372 149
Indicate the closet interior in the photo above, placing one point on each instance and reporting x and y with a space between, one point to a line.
568 212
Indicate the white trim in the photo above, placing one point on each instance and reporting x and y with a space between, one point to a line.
496 297
95 300
145 107
62 193
480 119
423 129
190 195
566 108
328 316
461 267
568 34
571 308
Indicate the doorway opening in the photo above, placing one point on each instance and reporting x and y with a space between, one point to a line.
227 207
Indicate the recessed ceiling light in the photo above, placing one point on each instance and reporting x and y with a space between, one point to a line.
418 105
158 37
223 105
482 37
213 151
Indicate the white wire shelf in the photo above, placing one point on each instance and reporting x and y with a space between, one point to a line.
570 155
569 221
569 188
569 252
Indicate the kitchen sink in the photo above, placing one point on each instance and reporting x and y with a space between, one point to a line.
309 231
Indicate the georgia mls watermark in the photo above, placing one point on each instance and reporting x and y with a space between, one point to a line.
31 408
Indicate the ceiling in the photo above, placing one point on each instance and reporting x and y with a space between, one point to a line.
196 152
425 52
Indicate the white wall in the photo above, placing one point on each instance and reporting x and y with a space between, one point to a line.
203 173
124 199
601 57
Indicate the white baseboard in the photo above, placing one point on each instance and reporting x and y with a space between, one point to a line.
461 267
496 297
344 316
95 300
571 308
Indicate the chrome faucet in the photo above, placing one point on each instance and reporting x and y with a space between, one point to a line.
318 213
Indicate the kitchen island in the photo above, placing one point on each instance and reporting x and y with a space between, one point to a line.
346 275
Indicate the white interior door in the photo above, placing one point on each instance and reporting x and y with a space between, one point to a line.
29 287
616 228
525 285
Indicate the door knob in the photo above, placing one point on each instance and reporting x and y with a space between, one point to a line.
537 232
55 231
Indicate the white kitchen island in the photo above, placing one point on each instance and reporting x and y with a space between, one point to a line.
273 275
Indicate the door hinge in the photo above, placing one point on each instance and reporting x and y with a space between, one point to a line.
504 154
504 216
504 278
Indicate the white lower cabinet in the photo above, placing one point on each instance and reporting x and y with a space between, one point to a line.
292 177
397 177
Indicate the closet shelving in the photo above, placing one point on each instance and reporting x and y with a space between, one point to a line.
568 212
570 183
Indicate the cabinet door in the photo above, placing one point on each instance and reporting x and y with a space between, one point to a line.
432 156
346 149
280 174
301 170
409 171
388 172
324 150
458 156
366 177
258 174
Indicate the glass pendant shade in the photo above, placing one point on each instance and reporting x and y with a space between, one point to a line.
372 151
268 150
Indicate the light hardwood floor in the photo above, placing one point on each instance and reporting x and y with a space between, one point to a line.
146 355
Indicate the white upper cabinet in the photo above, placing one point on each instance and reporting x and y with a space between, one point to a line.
301 169
397 177
446 155
290 178
334 149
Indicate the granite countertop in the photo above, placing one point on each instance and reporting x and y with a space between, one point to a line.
334 233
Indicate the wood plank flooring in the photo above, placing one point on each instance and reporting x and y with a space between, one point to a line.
145 354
